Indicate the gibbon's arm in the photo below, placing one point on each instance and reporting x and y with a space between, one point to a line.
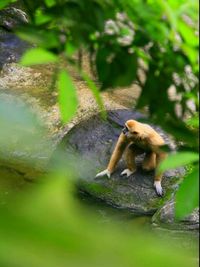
116 155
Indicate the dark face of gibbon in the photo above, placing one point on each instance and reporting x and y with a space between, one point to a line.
131 133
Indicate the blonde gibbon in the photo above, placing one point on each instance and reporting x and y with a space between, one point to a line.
138 138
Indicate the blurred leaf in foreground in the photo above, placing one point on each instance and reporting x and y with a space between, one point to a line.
179 159
24 140
50 3
4 3
37 56
46 227
68 101
92 86
20 127
187 197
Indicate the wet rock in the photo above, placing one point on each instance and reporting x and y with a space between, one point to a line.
165 218
90 144
11 47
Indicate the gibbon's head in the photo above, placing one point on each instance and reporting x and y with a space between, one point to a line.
133 130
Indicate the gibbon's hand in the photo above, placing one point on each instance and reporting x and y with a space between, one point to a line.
103 173
158 187
127 172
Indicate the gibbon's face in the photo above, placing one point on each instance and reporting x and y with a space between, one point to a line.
131 130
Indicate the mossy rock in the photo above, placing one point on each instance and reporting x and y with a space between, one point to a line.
165 218
90 144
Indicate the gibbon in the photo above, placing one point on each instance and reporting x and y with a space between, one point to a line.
138 138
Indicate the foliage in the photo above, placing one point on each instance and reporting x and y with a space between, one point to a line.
38 56
179 159
189 188
46 227
118 35
4 3
159 37
67 96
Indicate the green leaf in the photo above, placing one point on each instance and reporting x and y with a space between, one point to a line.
41 18
44 38
188 34
96 94
37 56
70 49
187 197
194 121
67 99
169 13
178 159
179 130
190 52
115 69
4 3
50 3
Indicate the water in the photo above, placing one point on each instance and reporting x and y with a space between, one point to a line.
109 214
130 222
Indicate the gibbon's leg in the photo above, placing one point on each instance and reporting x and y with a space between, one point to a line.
149 162
116 155
131 152
160 156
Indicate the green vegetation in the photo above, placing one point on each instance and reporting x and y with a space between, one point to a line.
46 227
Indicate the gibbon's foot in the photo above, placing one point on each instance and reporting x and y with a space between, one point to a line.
127 172
103 173
158 187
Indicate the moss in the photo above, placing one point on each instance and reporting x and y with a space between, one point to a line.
94 188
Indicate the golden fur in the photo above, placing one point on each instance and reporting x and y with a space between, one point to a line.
139 138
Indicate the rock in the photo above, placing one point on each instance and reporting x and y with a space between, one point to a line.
90 144
12 17
165 218
11 47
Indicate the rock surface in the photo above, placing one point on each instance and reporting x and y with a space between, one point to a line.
165 218
12 17
11 47
91 143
